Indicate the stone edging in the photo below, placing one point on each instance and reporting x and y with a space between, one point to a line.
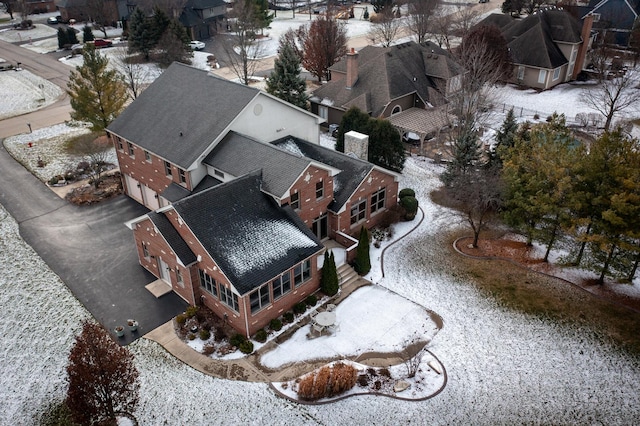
392 396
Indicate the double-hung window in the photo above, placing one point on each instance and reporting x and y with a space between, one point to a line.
183 176
259 298
377 200
302 272
229 298
130 149
319 190
167 168
208 283
358 211
295 200
282 285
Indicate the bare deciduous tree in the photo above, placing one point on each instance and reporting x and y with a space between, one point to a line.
413 364
173 8
241 48
134 73
101 14
420 14
96 150
384 28
612 96
325 42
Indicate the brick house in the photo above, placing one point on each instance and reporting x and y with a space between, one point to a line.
241 193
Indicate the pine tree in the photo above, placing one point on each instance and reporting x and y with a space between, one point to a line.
353 119
97 94
158 25
505 138
173 45
385 145
102 377
329 279
140 34
63 38
285 81
466 154
87 34
363 261
71 36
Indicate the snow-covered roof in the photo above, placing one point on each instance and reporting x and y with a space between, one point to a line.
250 237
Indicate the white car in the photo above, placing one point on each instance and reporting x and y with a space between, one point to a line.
196 45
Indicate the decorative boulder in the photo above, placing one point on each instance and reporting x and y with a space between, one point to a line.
401 386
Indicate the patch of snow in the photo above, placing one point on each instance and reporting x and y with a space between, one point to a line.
22 92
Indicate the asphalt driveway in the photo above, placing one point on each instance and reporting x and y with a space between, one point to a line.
89 248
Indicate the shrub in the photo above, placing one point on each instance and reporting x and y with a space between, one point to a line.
191 336
260 336
410 206
191 311
299 307
288 316
181 319
53 180
275 324
365 16
363 380
237 339
377 385
311 300
329 281
406 192
327 382
385 372
205 334
246 347
536 116
208 349
219 335
363 261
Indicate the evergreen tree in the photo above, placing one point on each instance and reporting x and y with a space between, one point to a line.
87 34
285 81
71 36
505 138
159 24
385 145
466 154
262 16
103 379
353 119
63 38
363 261
97 93
140 34
330 283
173 45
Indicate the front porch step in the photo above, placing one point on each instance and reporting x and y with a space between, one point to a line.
347 275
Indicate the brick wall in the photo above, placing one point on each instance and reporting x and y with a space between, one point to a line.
310 206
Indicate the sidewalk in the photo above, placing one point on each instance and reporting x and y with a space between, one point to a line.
248 368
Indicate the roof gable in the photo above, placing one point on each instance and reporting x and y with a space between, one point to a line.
250 237
353 171
175 117
173 238
388 73
239 155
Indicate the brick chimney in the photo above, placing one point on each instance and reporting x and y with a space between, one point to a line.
352 68
587 24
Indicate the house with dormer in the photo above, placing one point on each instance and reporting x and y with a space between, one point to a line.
614 20
408 84
547 48
242 196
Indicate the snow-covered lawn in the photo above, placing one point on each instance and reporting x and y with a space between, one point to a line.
22 92
371 319
504 367
38 31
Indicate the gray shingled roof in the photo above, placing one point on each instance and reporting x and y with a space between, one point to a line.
175 192
181 113
386 73
238 155
249 236
173 238
533 41
353 170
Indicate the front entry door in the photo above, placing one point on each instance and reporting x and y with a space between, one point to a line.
321 227
164 271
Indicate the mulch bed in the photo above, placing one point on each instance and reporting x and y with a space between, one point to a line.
521 254
109 187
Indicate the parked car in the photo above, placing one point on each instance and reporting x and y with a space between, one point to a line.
101 42
52 20
76 49
196 45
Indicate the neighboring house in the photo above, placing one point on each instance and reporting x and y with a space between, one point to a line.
40 6
242 194
547 48
202 18
613 19
385 81
81 10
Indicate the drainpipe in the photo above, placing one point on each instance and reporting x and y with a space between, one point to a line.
246 319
